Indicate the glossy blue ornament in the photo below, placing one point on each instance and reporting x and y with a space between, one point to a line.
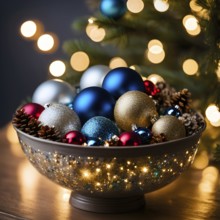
121 80
173 111
113 8
145 134
94 142
100 127
93 101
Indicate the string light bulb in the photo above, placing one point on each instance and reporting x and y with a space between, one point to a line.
47 42
213 115
28 29
117 62
191 25
190 67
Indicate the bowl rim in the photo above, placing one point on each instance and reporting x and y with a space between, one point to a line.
172 146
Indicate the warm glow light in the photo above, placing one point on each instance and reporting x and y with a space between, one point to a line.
79 61
201 161
45 42
117 62
155 58
156 49
135 6
57 68
86 174
145 169
28 29
11 135
190 67
194 6
97 34
194 32
154 42
191 25
213 115
218 71
155 78
161 5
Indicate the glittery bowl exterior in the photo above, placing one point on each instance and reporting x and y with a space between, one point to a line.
113 171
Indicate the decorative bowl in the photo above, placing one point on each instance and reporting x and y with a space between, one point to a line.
110 179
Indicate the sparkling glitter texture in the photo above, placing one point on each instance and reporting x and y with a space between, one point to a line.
109 176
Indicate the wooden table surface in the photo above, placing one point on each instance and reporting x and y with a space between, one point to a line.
25 194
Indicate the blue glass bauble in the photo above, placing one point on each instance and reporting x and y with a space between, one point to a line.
93 101
173 111
94 142
113 8
145 134
121 80
100 127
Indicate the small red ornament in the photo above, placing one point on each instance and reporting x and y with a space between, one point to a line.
150 88
33 109
129 138
74 137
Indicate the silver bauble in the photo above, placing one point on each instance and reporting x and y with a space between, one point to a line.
170 126
93 76
61 117
54 90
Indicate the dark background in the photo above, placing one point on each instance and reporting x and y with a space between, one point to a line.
22 67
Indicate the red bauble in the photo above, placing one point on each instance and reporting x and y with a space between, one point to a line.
150 88
129 138
33 109
75 137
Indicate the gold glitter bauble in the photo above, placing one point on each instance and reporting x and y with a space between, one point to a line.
134 107
170 126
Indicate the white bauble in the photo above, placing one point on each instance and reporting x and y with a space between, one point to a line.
61 117
94 76
54 90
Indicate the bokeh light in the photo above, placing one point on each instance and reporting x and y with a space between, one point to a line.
46 42
191 25
135 6
190 67
117 62
28 29
155 57
194 6
11 135
218 71
79 61
201 161
161 5
154 42
57 68
213 115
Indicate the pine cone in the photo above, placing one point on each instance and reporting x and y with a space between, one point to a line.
182 99
49 133
20 119
158 138
192 123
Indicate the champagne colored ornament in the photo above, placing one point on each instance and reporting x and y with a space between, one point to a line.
61 117
54 90
129 139
93 76
121 80
170 126
134 107
32 109
100 127
74 137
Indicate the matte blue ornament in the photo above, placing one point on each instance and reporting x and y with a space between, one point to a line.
100 127
121 80
173 111
113 8
94 142
145 134
93 101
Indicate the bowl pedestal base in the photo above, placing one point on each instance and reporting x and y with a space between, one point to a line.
107 205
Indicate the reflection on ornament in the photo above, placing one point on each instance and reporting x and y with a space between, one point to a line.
54 90
74 137
170 126
129 138
93 76
33 109
100 127
174 111
145 134
134 107
61 117
93 101
122 79
113 8
94 142
150 88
